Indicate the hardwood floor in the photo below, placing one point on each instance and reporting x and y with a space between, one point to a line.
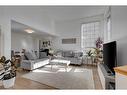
23 83
96 78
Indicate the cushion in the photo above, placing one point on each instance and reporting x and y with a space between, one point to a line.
43 54
34 55
78 54
30 55
24 57
68 54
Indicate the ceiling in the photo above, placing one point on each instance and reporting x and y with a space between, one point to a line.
19 28
60 13
56 13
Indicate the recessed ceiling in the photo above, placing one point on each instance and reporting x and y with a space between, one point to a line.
20 28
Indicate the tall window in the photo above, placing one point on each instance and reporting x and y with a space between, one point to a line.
108 28
89 34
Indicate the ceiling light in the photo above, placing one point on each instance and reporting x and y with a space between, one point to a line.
29 30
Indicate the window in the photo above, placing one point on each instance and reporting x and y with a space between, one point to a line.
89 34
108 28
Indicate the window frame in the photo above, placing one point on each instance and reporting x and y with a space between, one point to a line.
82 47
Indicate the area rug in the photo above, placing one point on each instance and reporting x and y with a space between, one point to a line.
73 78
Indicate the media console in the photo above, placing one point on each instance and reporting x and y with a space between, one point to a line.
106 77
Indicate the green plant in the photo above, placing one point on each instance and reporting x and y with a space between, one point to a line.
89 53
9 68
98 52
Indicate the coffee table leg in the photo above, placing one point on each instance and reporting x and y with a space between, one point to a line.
51 65
66 67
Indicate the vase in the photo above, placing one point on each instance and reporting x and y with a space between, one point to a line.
9 83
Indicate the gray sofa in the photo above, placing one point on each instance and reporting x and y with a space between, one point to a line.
30 61
74 56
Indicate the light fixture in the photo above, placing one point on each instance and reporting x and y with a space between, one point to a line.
29 30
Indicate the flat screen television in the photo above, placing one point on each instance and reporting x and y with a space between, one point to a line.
110 55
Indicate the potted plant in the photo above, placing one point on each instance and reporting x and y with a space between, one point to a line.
98 49
99 42
89 53
98 54
9 72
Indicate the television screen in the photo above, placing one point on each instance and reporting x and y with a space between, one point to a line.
109 55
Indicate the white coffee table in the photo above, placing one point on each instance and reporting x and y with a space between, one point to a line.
61 62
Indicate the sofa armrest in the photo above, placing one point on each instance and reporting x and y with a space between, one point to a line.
27 64
27 61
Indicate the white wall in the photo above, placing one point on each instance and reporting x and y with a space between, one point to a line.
30 42
5 28
32 17
21 41
72 29
119 32
69 29
107 33
0 42
26 15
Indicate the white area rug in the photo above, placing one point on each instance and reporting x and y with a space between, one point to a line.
73 78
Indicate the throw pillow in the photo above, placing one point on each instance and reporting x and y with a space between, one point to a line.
78 54
30 56
34 55
43 54
68 53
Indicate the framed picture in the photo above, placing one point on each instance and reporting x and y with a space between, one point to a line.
69 41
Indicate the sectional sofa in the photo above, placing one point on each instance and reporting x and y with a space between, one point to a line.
74 56
30 61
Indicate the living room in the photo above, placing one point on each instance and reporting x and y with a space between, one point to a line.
60 29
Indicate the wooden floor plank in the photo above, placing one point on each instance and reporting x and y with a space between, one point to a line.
23 83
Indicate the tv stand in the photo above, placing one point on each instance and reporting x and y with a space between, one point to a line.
106 77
